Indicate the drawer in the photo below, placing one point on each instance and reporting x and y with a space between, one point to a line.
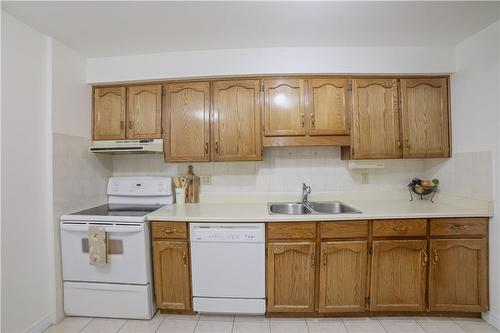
169 230
400 228
291 230
344 229
459 227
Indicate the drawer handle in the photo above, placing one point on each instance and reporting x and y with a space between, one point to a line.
426 257
169 231
458 227
184 259
435 257
402 229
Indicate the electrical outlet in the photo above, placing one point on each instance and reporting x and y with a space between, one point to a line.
205 180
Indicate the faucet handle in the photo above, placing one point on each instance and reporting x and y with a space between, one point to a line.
306 188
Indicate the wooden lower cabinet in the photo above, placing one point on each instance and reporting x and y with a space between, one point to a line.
171 274
291 276
342 277
398 275
457 277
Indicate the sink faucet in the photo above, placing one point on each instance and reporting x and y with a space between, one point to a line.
306 190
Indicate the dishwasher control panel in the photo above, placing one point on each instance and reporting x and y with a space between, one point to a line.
228 232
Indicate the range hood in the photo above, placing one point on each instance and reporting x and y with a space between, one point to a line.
127 146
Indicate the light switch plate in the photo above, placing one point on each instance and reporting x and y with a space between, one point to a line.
205 180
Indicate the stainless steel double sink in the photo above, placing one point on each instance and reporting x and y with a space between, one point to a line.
313 207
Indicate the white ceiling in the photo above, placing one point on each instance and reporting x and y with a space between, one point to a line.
98 29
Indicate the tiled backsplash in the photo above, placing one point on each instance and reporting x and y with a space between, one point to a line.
284 169
281 170
466 174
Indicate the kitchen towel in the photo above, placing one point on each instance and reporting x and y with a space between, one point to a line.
98 253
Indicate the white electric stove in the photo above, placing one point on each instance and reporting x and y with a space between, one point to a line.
122 288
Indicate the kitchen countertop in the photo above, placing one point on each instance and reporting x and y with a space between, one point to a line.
253 207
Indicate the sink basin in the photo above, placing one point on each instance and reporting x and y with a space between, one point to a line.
312 207
332 207
289 208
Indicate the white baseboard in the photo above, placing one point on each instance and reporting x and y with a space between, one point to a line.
41 325
491 318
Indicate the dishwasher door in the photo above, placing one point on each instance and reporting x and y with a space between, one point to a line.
228 266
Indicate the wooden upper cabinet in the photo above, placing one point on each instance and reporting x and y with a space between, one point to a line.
144 112
171 275
375 124
457 278
236 122
425 117
398 275
328 104
290 277
109 113
187 122
284 107
342 277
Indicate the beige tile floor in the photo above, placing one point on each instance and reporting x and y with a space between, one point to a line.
163 323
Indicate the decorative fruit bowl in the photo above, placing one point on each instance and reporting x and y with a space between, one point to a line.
423 187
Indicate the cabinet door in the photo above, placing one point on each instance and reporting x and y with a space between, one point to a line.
144 112
284 107
342 277
236 121
425 117
290 277
457 278
109 113
187 117
398 275
328 105
171 273
375 124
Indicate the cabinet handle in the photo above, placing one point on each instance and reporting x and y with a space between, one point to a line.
313 120
407 143
313 259
169 231
216 147
130 124
302 120
324 259
206 148
426 257
435 257
398 143
458 227
402 229
184 259
122 124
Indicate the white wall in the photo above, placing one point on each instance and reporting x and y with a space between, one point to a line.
26 178
272 61
71 99
476 122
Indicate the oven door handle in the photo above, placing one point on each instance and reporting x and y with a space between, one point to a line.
107 228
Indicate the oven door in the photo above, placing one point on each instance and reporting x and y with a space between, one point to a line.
128 246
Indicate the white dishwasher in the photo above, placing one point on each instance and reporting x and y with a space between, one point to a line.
228 267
